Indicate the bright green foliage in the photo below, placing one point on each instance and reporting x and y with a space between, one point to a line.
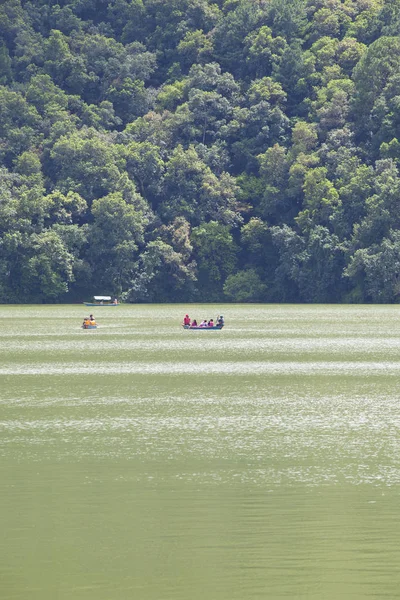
381 207
377 77
289 19
129 98
166 268
49 270
170 95
113 238
195 192
320 267
216 252
5 66
195 47
274 171
321 199
240 19
264 52
19 125
86 163
200 150
289 246
259 253
145 166
375 271
244 286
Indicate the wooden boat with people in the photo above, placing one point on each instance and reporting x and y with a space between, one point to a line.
207 325
102 301
197 327
89 326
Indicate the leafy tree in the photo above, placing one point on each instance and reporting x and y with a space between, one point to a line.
194 192
5 66
320 267
298 171
296 74
29 167
210 78
264 52
321 199
373 75
13 19
258 125
289 245
209 111
332 105
167 274
199 149
354 187
387 18
114 238
170 95
215 253
145 165
304 138
240 19
126 18
244 286
349 52
195 47
19 125
85 162
166 269
129 98
47 273
45 96
381 208
274 171
374 272
289 19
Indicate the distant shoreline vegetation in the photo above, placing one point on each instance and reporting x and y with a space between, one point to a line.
192 151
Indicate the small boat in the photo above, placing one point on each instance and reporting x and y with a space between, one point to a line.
89 326
203 328
102 301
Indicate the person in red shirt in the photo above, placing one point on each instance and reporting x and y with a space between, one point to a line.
186 320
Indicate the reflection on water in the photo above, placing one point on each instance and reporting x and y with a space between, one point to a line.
145 461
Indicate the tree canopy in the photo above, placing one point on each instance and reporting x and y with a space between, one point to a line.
200 150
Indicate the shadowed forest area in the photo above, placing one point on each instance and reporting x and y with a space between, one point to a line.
200 151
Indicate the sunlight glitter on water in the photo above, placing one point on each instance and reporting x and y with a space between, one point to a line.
148 462
201 368
265 344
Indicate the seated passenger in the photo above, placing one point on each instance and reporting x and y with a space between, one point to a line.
211 323
203 323
194 323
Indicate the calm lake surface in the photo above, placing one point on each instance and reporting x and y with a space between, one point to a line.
142 461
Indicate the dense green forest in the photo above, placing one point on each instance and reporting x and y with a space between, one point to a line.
199 150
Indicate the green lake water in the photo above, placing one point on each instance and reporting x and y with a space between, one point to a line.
142 461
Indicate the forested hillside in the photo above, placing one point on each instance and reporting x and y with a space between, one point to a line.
199 150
